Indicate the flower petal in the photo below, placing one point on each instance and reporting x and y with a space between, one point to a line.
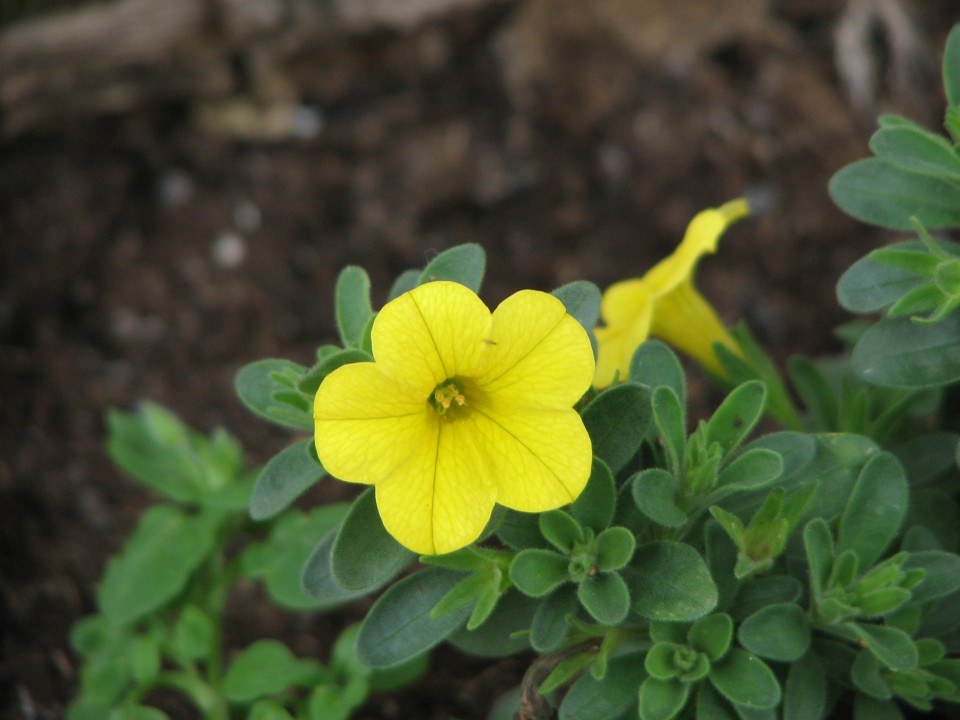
539 356
441 499
631 305
688 322
366 424
703 234
431 334
540 459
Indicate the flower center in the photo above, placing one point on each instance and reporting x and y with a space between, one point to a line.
447 396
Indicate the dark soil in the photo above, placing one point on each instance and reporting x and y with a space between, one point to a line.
150 255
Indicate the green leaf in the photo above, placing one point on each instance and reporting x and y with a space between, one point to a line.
550 628
538 572
606 699
805 692
941 574
268 389
406 281
400 626
520 530
194 634
617 420
891 646
712 706
614 548
916 150
878 193
711 635
655 365
662 699
318 581
561 530
737 416
670 418
595 506
352 304
654 492
869 285
464 264
776 632
929 458
897 352
683 590
310 381
143 654
567 669
502 633
746 680
268 710
753 469
606 597
868 708
951 67
161 452
763 591
818 543
156 562
876 509
284 478
364 554
280 561
866 676
582 300
337 702
267 667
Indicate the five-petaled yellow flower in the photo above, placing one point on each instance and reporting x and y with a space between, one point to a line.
665 303
459 410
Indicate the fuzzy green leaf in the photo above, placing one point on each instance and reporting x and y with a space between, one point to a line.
653 492
683 591
596 505
400 626
605 597
365 555
891 646
561 530
897 352
614 547
737 415
916 150
502 632
670 418
655 365
581 298
318 581
550 626
746 680
777 632
352 304
284 478
538 572
464 264
617 420
310 381
878 193
606 699
876 509
662 699
941 574
951 67
268 388
805 692
753 469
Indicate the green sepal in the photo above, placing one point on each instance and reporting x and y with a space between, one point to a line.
285 477
746 680
654 492
352 306
400 626
778 632
538 572
606 597
364 554
464 264
617 420
269 389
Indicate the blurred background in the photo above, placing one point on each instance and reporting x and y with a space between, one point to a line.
181 180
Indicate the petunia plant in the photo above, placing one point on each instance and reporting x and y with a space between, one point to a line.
533 483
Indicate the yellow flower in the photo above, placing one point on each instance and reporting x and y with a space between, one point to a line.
460 410
665 303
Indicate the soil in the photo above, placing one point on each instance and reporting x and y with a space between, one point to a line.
150 254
